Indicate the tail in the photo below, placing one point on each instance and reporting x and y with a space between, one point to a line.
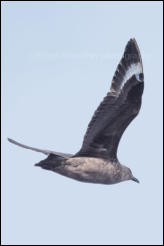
46 152
51 162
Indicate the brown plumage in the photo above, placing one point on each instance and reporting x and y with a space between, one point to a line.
97 161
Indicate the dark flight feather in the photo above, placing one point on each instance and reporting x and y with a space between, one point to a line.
118 109
120 106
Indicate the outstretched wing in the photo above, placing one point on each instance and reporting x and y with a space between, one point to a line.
46 152
118 109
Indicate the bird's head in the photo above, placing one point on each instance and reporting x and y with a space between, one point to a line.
127 174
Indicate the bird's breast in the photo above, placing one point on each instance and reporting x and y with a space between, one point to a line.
87 169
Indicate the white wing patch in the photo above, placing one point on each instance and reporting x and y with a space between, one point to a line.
134 69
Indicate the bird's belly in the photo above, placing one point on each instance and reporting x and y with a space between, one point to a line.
93 170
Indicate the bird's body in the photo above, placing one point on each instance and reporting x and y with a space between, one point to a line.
97 161
86 169
92 170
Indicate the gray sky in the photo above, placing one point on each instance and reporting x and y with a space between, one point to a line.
58 60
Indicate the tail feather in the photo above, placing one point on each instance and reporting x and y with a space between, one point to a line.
51 162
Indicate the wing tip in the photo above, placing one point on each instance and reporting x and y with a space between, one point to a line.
131 57
134 45
10 140
14 142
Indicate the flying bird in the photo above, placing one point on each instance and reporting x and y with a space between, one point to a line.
96 161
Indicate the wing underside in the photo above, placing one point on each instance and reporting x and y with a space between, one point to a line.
118 109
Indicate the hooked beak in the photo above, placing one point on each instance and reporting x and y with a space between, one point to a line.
135 180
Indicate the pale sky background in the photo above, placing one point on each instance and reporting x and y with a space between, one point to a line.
58 59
